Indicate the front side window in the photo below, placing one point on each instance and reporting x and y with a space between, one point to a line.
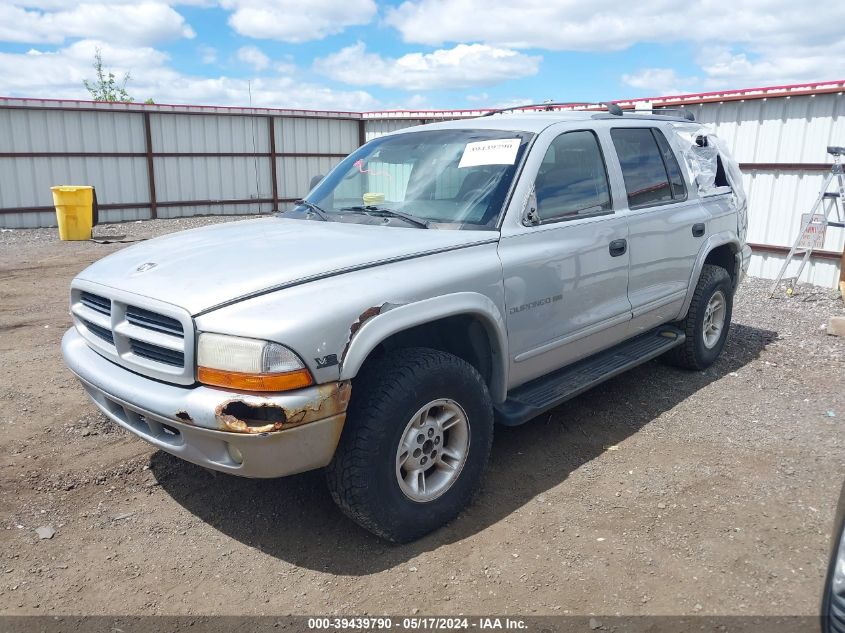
646 168
447 178
572 180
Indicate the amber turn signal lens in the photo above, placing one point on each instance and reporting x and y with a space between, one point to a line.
255 382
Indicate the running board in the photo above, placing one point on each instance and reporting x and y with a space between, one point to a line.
538 396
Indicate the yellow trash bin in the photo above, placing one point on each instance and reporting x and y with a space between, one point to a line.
74 211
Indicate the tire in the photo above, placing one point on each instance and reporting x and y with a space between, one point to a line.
698 350
387 396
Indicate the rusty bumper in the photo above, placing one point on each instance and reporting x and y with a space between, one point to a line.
243 434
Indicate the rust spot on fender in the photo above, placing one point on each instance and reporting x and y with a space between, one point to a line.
184 416
365 316
244 416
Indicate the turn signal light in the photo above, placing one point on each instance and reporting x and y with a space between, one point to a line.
255 382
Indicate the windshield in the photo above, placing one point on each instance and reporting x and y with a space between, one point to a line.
428 179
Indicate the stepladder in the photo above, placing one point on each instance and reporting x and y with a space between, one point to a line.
828 211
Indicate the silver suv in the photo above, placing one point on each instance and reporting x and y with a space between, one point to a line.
437 280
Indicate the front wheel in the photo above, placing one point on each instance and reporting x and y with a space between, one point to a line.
707 322
415 444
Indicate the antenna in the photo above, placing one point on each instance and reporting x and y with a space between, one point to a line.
254 147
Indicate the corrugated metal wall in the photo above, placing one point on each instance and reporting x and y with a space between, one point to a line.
379 127
223 160
781 144
311 147
209 174
204 160
44 138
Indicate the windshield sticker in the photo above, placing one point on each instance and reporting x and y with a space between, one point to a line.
498 152
373 172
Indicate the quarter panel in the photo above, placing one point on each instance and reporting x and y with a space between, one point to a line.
724 237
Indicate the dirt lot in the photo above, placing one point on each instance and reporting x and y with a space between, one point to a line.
660 492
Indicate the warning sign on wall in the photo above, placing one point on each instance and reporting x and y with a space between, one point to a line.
814 235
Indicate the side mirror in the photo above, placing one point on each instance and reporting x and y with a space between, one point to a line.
315 180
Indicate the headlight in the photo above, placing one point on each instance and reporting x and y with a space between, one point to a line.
249 364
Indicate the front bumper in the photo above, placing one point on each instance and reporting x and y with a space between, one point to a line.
203 425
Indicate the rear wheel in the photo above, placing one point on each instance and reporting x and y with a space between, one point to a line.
707 322
415 445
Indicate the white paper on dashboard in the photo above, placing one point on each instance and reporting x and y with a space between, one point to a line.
498 152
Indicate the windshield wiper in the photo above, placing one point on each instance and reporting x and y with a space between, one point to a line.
381 211
314 208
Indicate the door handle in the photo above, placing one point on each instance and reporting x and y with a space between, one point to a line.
698 229
618 247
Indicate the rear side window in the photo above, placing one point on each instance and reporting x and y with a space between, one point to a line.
679 189
572 180
651 172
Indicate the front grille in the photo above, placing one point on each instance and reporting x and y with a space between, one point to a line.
96 303
156 353
148 337
154 321
100 332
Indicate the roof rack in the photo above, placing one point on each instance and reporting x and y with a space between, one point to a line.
612 108
683 113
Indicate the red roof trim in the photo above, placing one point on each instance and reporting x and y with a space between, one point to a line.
126 105
765 92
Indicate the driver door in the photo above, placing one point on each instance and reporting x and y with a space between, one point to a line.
566 267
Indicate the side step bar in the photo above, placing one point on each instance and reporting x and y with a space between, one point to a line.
538 396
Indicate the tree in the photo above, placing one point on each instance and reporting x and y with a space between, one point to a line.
105 87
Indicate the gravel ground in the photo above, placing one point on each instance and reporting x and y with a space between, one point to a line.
659 492
131 231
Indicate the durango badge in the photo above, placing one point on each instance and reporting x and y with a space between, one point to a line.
145 267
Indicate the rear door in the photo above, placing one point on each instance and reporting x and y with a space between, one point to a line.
667 224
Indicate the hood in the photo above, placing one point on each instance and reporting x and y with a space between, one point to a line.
206 267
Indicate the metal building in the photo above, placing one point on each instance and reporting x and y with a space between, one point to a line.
167 161
158 161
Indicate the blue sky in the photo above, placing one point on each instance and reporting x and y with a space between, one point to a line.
417 54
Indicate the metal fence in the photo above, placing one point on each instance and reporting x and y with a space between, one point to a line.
161 161
170 161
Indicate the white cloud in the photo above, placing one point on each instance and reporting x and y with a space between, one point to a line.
59 74
253 57
482 96
129 23
297 20
602 25
459 67
484 101
513 102
286 66
724 67
756 41
208 54
663 81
